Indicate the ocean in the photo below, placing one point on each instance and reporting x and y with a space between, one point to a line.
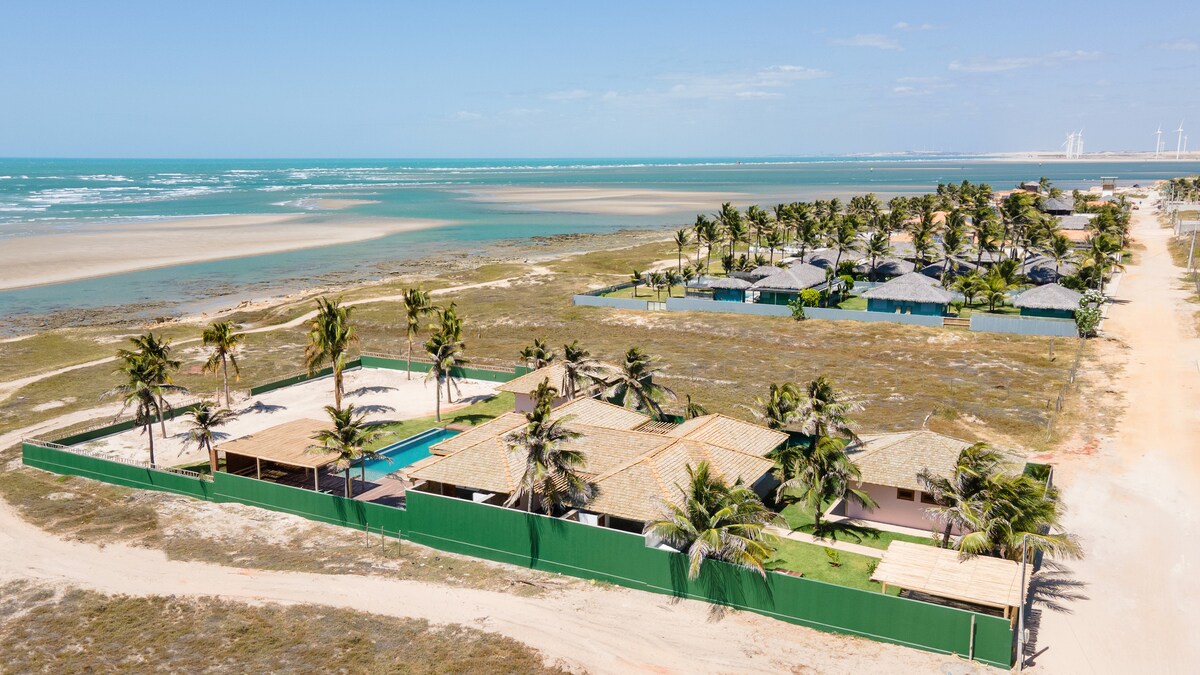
41 196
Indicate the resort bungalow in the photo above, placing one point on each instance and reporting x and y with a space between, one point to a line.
635 462
885 268
1058 206
1050 301
890 465
785 286
729 289
912 293
758 273
523 387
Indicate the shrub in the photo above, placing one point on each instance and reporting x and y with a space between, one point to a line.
1087 316
835 558
810 298
797 307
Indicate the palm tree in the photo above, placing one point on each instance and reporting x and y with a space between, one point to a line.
634 384
718 521
682 239
970 285
552 468
446 358
952 243
844 238
657 281
824 411
330 336
224 339
637 280
538 353
417 303
1060 250
818 475
144 389
1013 509
580 370
780 406
775 240
954 496
204 419
349 438
878 246
155 353
995 289
692 410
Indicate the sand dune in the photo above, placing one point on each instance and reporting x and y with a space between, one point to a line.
112 249
608 201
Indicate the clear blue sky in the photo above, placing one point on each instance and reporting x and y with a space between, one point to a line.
575 79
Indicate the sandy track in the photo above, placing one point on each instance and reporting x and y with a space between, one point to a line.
1134 503
599 630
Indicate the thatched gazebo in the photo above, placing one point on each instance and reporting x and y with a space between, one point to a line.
911 293
785 286
728 289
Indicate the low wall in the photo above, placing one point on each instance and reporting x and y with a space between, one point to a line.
1019 325
326 508
871 317
469 372
616 303
126 474
825 313
700 305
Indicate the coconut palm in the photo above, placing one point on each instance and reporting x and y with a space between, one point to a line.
633 385
878 246
155 354
580 370
538 354
819 474
844 238
658 281
714 520
780 406
330 337
223 338
775 240
995 289
637 279
349 438
673 279
1011 508
952 243
552 468
955 495
825 411
203 421
417 303
692 410
446 359
144 389
970 285
682 239
1060 250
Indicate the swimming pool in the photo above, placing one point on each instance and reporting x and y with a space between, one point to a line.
404 453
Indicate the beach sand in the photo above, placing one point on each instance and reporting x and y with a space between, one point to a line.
605 201
112 249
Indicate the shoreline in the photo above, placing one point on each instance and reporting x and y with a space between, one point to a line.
112 249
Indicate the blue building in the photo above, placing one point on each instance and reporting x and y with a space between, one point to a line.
911 293
1050 301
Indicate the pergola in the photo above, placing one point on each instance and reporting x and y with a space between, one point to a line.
288 444
981 580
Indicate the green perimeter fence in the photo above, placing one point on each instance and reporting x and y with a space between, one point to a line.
578 550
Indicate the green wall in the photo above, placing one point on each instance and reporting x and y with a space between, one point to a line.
469 372
1048 313
574 549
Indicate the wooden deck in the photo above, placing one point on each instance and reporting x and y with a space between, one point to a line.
387 491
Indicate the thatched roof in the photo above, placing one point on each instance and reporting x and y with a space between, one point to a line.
1058 204
1078 221
290 443
943 572
1050 296
824 258
729 283
912 287
794 278
886 267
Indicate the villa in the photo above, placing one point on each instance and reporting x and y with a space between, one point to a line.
785 286
890 465
911 293
636 463
1058 206
1050 301
523 387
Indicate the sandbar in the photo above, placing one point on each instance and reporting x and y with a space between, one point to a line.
605 201
101 250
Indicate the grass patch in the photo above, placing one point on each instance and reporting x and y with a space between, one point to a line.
84 631
800 518
854 302
811 560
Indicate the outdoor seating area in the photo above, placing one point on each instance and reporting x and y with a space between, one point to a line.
983 581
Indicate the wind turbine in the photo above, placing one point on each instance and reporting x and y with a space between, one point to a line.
1079 145
1070 144
1179 141
1157 141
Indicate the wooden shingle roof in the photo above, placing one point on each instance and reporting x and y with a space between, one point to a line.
896 459
727 432
290 444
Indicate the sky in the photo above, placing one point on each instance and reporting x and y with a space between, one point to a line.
589 79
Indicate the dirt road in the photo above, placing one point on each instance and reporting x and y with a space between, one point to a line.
1134 502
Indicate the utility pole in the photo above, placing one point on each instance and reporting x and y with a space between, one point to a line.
1021 609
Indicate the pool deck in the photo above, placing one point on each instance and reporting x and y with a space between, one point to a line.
389 492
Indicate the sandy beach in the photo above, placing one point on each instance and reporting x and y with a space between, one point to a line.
113 249
605 201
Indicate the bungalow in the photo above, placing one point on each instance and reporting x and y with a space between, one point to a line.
524 386
890 465
729 289
1058 206
1077 221
1051 301
760 272
912 293
785 286
885 268
636 464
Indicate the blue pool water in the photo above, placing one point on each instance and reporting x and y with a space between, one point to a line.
405 453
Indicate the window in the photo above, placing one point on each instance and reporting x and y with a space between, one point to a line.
927 498
904 495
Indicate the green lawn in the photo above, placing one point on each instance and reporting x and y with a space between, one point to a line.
854 302
854 570
981 308
476 413
799 518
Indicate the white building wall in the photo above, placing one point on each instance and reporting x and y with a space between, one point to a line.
894 511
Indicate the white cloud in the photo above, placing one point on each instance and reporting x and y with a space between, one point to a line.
569 95
919 86
1181 45
904 25
467 116
764 83
1002 65
872 40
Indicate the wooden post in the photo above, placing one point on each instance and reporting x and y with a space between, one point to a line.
316 479
258 467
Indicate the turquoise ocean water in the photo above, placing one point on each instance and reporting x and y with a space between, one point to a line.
39 196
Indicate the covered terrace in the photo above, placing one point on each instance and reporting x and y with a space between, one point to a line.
943 573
